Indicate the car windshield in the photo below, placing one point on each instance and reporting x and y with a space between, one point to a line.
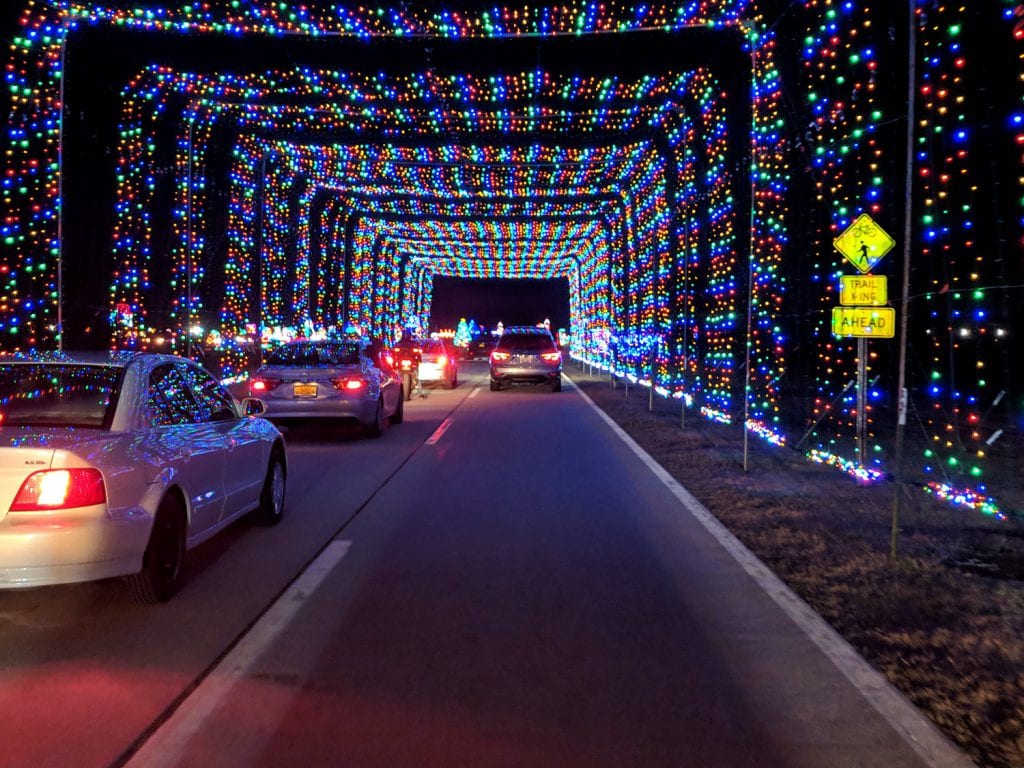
58 394
532 342
314 355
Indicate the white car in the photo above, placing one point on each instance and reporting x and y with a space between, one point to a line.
114 464
438 364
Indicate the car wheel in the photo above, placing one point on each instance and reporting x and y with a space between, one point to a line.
495 386
376 427
556 385
447 382
271 507
407 386
399 415
164 559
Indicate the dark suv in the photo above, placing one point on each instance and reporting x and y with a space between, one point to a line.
526 355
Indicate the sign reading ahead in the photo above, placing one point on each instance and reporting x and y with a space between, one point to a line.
863 289
868 322
864 243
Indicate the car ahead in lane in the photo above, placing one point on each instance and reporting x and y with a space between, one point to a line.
438 364
480 348
115 464
526 355
348 379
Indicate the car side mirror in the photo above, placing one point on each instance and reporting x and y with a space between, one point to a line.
253 406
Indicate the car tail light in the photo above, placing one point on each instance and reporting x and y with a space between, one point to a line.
405 363
346 384
551 357
500 356
60 489
259 386
442 360
389 359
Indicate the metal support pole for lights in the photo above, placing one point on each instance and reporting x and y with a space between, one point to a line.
259 257
901 385
686 322
188 245
60 195
750 259
654 361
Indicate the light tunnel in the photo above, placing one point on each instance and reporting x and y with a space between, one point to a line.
310 165
349 191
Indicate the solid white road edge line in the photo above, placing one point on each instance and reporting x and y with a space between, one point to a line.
439 431
923 736
167 745
474 393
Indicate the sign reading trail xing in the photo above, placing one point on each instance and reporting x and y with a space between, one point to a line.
855 290
866 322
864 243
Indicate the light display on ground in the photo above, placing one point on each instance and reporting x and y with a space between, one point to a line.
689 194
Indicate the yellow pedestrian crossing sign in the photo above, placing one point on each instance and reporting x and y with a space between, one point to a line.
864 243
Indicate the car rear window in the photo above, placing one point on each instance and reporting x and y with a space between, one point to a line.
526 342
58 394
307 355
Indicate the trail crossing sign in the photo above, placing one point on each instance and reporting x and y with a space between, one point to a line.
865 322
857 290
864 243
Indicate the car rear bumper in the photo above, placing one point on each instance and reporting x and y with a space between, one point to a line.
43 548
363 411
430 373
515 375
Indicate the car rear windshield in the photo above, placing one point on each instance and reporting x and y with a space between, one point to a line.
58 394
302 355
527 342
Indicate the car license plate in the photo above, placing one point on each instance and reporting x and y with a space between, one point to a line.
304 390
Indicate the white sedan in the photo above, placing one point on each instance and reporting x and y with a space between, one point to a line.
114 464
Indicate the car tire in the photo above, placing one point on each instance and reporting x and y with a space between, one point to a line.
399 415
376 427
407 386
495 386
271 508
556 385
164 559
447 382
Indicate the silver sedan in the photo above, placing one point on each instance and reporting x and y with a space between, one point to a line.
345 379
115 464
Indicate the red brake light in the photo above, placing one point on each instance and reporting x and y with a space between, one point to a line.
346 384
442 360
499 356
259 386
552 357
60 489
389 359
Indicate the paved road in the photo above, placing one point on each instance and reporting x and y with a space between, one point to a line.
500 581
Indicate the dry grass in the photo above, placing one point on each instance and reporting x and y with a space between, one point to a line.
944 621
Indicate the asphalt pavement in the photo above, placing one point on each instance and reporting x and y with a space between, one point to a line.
526 590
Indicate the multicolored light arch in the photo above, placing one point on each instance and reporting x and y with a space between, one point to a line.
689 192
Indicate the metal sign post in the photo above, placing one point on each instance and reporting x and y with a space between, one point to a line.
862 386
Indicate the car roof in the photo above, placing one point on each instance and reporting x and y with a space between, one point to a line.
322 342
527 329
115 358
